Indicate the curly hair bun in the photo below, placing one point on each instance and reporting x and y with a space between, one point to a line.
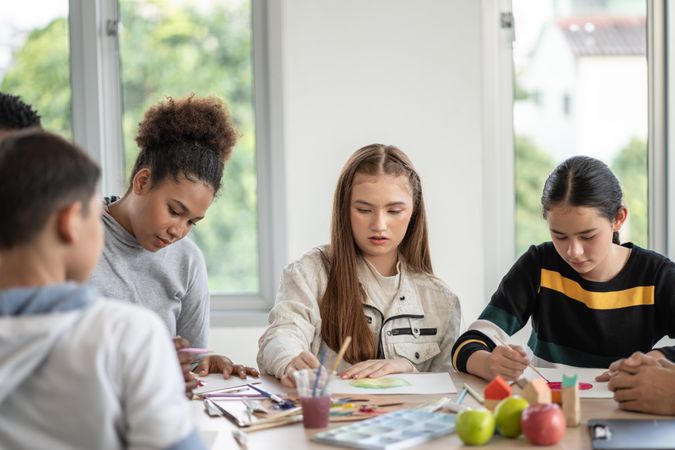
204 121
15 114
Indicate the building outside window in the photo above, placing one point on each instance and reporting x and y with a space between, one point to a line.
581 89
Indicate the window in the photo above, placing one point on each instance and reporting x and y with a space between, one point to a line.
121 56
585 64
173 48
34 59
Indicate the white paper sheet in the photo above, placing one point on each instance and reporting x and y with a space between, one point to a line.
584 375
412 383
215 381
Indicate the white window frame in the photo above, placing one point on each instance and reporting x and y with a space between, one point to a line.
498 136
97 127
96 88
658 133
498 144
669 107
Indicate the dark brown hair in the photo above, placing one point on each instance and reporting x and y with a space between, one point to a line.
40 172
584 181
191 136
342 303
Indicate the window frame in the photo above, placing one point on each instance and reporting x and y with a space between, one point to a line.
499 215
499 62
658 134
97 127
498 135
669 111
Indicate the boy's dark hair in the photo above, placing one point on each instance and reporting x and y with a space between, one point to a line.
17 115
584 181
192 136
40 172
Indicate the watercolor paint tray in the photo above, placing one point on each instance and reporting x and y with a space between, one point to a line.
401 429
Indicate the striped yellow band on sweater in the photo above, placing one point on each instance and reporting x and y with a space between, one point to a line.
637 296
459 349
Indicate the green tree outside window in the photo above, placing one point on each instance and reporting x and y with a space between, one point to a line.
170 49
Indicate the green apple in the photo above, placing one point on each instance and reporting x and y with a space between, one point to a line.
475 426
507 415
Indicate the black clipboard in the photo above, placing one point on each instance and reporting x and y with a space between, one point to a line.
632 434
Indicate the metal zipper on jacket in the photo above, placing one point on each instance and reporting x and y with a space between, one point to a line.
409 331
381 321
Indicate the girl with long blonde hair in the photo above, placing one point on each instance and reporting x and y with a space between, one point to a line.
374 282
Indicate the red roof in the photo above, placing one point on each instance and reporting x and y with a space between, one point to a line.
497 389
605 36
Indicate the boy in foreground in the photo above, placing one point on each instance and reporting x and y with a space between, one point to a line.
78 371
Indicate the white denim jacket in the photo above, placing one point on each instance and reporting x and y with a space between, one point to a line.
421 323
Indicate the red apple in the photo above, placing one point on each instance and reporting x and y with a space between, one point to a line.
543 424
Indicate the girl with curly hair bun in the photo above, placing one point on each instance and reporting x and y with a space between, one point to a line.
184 145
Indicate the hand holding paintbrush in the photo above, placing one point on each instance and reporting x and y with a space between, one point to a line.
312 389
338 360
529 364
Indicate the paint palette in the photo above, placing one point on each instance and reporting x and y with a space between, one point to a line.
401 429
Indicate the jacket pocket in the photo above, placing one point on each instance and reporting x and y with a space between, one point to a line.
417 352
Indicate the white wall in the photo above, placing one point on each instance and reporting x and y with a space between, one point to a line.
399 72
396 72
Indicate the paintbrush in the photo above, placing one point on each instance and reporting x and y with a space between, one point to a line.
529 364
338 360
322 357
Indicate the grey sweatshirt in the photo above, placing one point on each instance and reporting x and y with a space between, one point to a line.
171 282
80 372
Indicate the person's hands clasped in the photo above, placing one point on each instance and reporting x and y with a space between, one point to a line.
508 361
224 365
185 360
631 364
304 360
644 384
373 368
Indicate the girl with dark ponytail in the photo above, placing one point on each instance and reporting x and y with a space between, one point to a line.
586 182
184 145
591 299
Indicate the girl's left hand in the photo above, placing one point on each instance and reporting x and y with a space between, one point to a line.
374 368
224 365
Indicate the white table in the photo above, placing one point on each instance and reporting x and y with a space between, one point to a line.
217 432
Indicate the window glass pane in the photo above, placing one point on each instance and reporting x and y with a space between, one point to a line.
34 58
580 89
176 47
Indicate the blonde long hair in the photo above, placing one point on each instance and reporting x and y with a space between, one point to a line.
342 303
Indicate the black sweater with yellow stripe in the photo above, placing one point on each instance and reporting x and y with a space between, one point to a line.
575 321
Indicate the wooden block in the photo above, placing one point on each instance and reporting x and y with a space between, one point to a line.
491 404
497 389
537 391
571 405
556 396
522 382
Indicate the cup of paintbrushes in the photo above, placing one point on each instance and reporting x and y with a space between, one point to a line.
311 385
